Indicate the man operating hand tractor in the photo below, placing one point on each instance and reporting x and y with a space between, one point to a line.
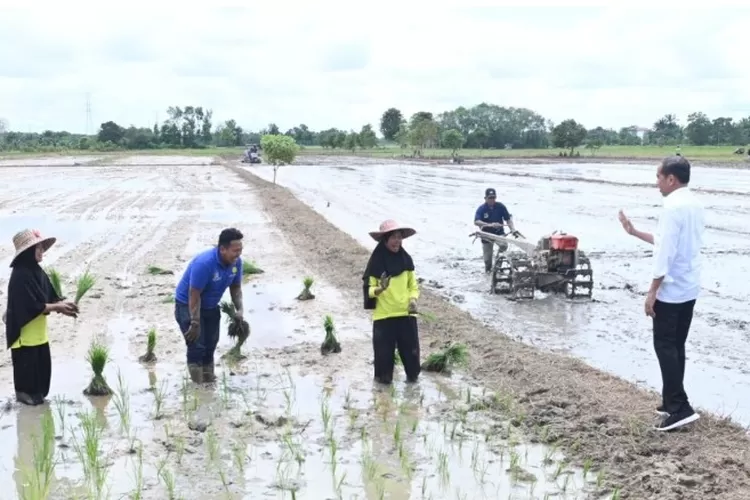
491 217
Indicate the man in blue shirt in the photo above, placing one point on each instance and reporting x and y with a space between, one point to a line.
197 299
490 217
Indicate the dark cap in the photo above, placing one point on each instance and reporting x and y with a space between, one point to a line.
489 192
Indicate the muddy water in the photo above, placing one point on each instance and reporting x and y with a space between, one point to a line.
611 333
282 420
272 421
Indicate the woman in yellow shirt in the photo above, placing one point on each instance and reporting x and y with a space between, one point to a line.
31 297
391 291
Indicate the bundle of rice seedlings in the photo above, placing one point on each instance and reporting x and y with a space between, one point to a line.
238 330
149 357
158 271
84 284
427 316
250 267
306 294
330 344
56 279
97 357
445 360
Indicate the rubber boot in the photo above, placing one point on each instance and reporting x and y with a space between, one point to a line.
208 373
196 373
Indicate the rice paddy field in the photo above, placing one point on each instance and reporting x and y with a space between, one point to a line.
285 418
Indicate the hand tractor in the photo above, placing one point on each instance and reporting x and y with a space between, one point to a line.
554 264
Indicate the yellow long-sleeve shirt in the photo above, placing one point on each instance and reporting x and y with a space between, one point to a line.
393 302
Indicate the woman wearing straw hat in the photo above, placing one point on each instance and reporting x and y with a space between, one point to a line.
391 291
31 297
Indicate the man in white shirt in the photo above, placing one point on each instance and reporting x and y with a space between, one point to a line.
675 283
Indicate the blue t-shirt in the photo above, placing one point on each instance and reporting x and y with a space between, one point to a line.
208 273
496 213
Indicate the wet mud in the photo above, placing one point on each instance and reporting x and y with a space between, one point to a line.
532 351
284 419
611 333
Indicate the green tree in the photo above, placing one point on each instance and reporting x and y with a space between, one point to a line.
402 136
390 123
366 137
699 129
568 134
279 150
351 141
453 140
110 132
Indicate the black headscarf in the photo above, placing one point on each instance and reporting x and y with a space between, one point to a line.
382 261
29 292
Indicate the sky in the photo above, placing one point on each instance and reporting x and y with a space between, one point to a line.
330 64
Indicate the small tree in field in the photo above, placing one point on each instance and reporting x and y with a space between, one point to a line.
279 150
453 140
568 134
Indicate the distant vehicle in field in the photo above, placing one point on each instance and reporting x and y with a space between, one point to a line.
554 264
251 155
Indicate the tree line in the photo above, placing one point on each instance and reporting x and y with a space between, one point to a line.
484 126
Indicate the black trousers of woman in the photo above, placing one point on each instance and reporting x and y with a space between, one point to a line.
390 334
32 373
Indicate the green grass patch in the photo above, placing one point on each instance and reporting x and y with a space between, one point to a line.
715 153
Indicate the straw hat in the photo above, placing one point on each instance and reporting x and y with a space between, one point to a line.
28 238
391 225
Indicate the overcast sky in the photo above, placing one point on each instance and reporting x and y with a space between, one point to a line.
333 64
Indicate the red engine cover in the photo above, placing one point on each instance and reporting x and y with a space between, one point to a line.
563 242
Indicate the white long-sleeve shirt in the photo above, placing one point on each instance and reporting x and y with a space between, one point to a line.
677 247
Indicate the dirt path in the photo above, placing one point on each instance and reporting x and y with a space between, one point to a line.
285 418
591 415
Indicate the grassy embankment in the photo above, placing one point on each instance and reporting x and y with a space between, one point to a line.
718 154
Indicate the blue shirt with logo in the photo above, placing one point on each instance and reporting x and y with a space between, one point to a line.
496 213
208 273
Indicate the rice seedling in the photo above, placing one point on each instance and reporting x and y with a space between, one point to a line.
306 294
158 271
239 455
121 400
159 395
97 357
238 329
149 357
225 397
445 360
56 279
587 467
38 481
325 413
330 343
168 299
249 268
212 446
616 494
138 473
84 283
60 404
179 449
89 453
167 477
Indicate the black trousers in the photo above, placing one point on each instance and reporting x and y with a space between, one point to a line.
390 334
32 370
671 327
